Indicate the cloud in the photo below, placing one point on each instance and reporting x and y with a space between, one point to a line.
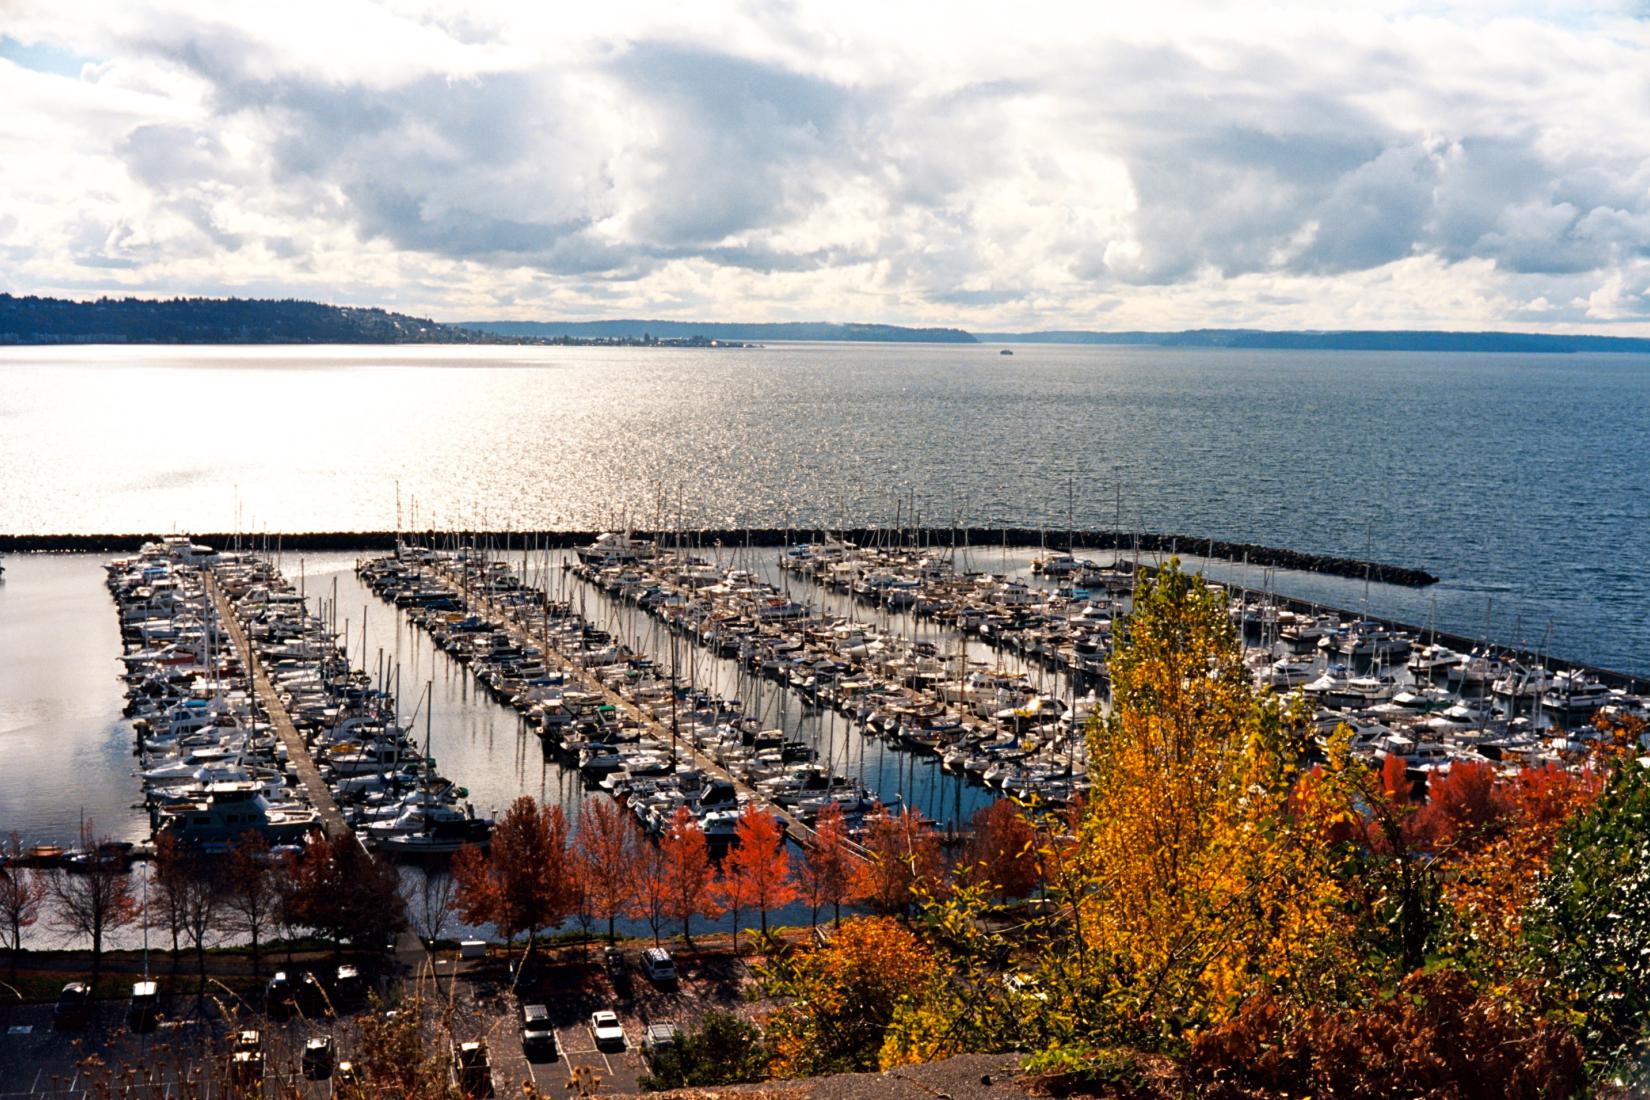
1463 167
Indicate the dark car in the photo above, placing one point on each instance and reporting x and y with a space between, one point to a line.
312 995
143 1012
349 989
318 1058
538 1037
246 1058
472 1071
525 972
279 996
74 1006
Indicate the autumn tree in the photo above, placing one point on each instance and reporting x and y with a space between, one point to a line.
651 892
837 1001
431 900
22 892
344 894
826 874
524 883
606 851
168 890
756 873
249 892
687 872
903 862
94 902
1000 851
1191 881
201 897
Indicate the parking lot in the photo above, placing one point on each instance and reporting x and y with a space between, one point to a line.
481 998
186 1048
572 984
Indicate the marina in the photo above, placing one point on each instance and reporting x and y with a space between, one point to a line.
899 675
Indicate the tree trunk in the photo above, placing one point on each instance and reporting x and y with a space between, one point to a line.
97 958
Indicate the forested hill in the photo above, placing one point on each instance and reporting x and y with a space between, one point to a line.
719 330
32 320
1369 340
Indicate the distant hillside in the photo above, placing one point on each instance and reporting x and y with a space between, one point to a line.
1544 343
34 320
718 330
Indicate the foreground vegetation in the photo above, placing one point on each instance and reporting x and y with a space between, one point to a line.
1224 917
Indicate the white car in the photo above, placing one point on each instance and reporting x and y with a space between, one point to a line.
608 1030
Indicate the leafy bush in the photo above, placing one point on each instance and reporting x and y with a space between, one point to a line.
1437 1036
1589 930
722 1050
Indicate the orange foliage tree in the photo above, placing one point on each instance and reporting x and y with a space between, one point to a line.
650 895
687 872
756 873
524 883
826 874
1000 854
903 862
607 846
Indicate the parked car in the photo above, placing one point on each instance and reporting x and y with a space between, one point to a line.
607 1029
143 1012
74 1006
538 1037
472 1071
660 1037
246 1059
312 995
279 996
349 989
318 1058
659 967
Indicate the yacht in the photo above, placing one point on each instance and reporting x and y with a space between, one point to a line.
1574 695
225 810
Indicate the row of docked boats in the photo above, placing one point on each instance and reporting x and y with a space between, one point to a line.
1423 701
209 763
383 780
667 746
980 719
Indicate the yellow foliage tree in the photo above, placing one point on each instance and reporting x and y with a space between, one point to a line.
838 1000
1198 877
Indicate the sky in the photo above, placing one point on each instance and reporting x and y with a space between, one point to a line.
994 166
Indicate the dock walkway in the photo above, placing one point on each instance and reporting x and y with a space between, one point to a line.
320 796
522 633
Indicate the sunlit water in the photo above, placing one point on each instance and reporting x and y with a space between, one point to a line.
1523 481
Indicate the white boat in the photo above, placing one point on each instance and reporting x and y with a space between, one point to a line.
1574 694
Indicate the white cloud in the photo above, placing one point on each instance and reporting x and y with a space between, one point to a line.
981 164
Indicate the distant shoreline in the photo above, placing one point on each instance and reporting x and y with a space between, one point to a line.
32 321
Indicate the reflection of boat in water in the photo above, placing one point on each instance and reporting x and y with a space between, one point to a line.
426 829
